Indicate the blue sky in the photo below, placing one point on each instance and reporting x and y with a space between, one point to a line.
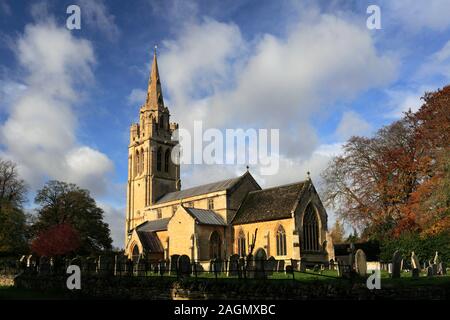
309 68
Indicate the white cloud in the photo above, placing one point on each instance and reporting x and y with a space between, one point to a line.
352 124
136 97
415 15
270 82
115 217
96 15
39 132
437 64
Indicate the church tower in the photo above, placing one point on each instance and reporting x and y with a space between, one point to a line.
151 172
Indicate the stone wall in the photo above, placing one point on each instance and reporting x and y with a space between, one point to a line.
190 289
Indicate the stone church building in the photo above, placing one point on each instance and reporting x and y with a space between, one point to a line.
217 219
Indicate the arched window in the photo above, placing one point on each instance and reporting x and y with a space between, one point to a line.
158 159
215 245
142 162
136 165
310 230
167 160
241 244
281 242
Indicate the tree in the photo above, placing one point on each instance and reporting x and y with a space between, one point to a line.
13 227
337 233
61 203
59 240
398 180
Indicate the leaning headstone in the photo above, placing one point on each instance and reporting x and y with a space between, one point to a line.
233 266
415 264
184 266
361 263
397 259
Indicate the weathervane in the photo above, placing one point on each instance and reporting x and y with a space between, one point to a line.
156 47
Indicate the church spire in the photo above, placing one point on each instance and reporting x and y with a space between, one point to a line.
155 99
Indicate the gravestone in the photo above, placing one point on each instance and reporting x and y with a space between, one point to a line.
162 267
271 265
76 261
331 265
250 267
173 263
23 262
241 267
361 263
429 271
434 268
141 266
91 265
339 269
233 266
105 265
415 273
119 264
415 264
44 265
31 262
184 266
397 260
442 269
218 265
280 265
289 270
436 259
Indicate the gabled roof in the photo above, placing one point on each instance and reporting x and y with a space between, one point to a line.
204 189
154 225
147 234
269 204
208 217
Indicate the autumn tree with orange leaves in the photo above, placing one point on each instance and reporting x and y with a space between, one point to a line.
398 180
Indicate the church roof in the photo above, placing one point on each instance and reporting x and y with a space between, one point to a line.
147 234
203 189
203 216
269 204
150 241
154 225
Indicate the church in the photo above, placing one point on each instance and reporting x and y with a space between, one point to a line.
215 220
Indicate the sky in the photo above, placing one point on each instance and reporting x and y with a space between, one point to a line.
312 69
